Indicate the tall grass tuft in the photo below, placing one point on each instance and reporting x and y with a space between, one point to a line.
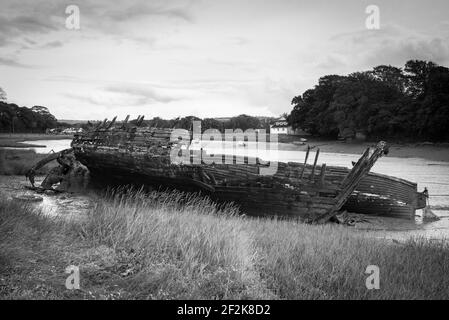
202 250
186 246
173 245
329 262
17 219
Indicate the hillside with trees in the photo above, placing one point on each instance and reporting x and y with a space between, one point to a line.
410 103
242 122
15 119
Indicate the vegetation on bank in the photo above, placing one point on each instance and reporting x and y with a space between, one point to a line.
172 245
18 162
242 122
386 102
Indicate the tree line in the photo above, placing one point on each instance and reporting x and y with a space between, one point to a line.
242 122
26 120
409 103
38 119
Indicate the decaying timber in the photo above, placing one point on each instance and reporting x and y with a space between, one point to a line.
124 153
70 175
127 153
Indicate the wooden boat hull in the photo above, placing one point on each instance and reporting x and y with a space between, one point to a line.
376 194
306 192
384 195
249 193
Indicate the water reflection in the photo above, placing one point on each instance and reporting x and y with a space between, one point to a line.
55 145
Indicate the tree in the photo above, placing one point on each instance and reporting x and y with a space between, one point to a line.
243 122
385 102
45 119
22 119
417 73
2 95
391 76
313 111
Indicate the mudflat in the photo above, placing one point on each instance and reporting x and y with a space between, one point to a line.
425 150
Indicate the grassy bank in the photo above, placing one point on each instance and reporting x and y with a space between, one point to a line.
18 162
171 245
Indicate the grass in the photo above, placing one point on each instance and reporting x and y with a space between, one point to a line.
18 162
28 264
136 245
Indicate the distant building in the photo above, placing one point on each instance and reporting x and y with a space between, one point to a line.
72 131
52 131
280 126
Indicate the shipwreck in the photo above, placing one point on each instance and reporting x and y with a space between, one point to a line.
124 153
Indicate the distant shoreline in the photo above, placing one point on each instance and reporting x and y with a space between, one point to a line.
14 140
432 152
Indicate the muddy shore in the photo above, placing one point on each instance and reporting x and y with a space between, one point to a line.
433 152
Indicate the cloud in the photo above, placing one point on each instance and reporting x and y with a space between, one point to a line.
13 28
138 10
398 52
129 95
35 45
390 45
34 24
12 63
239 41
364 36
142 94
52 44
330 62
240 64
138 21
122 20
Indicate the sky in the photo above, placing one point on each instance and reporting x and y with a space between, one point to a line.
208 58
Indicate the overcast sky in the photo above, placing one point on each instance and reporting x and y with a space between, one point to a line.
201 57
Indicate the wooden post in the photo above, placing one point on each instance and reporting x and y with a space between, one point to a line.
103 123
357 173
140 120
305 162
314 164
363 158
111 123
322 173
97 126
126 120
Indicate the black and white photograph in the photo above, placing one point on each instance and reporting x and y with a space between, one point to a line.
224 156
